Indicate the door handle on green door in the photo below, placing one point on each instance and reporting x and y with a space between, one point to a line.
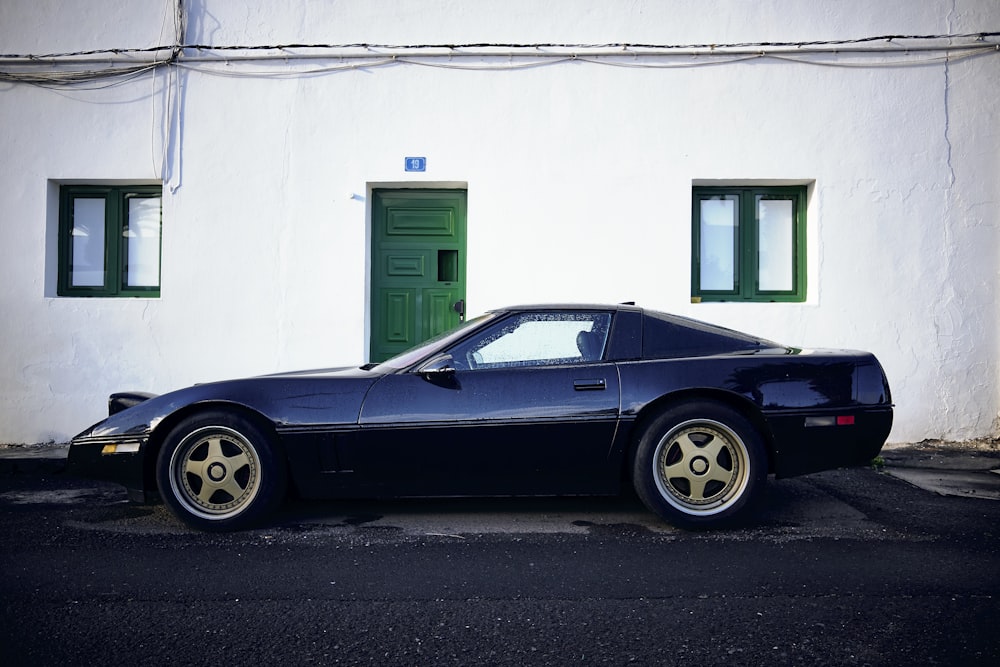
459 308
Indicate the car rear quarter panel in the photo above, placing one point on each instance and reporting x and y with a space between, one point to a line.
777 389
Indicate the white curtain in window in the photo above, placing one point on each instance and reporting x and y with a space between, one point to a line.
143 235
718 244
775 244
87 261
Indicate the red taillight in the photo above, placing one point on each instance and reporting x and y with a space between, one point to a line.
839 420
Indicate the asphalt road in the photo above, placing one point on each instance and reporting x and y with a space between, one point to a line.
841 568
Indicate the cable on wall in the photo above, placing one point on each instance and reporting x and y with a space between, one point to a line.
100 68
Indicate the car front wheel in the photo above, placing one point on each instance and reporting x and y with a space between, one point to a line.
218 471
700 464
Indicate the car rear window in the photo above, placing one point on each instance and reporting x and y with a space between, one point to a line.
669 336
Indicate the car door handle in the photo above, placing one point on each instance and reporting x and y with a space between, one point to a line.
590 385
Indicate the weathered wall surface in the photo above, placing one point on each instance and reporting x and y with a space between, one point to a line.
579 177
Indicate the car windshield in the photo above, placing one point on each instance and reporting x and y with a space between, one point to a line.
415 354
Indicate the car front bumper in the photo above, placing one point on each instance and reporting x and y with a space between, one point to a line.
119 460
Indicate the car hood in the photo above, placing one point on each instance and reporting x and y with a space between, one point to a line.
328 396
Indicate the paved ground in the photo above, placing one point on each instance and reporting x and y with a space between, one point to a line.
846 567
969 469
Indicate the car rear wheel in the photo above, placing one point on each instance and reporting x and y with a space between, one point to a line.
218 471
700 464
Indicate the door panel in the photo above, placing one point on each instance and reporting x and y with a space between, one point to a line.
412 218
499 431
405 264
418 267
398 320
439 312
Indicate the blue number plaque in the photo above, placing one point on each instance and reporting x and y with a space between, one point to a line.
416 163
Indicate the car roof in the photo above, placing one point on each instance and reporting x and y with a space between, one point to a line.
677 320
569 306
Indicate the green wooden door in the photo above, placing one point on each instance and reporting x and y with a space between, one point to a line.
418 267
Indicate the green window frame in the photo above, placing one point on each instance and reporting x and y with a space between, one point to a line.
748 244
110 240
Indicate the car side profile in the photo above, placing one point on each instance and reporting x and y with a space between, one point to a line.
526 400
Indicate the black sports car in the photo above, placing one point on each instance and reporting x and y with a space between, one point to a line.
532 400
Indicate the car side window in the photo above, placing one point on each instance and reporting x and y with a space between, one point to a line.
536 339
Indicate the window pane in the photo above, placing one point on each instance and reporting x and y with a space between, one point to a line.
775 244
537 339
142 233
87 248
718 243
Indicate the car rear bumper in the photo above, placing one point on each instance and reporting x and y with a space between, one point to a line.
851 438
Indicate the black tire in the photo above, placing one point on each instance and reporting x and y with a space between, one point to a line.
700 464
218 471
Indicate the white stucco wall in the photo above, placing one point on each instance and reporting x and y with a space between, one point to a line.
579 178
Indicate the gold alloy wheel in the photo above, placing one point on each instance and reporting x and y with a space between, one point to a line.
701 466
215 472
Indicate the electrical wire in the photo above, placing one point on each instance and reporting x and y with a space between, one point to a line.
77 78
76 69
978 36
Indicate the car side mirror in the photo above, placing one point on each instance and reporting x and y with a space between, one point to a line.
437 367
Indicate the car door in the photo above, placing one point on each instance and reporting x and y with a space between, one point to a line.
526 406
